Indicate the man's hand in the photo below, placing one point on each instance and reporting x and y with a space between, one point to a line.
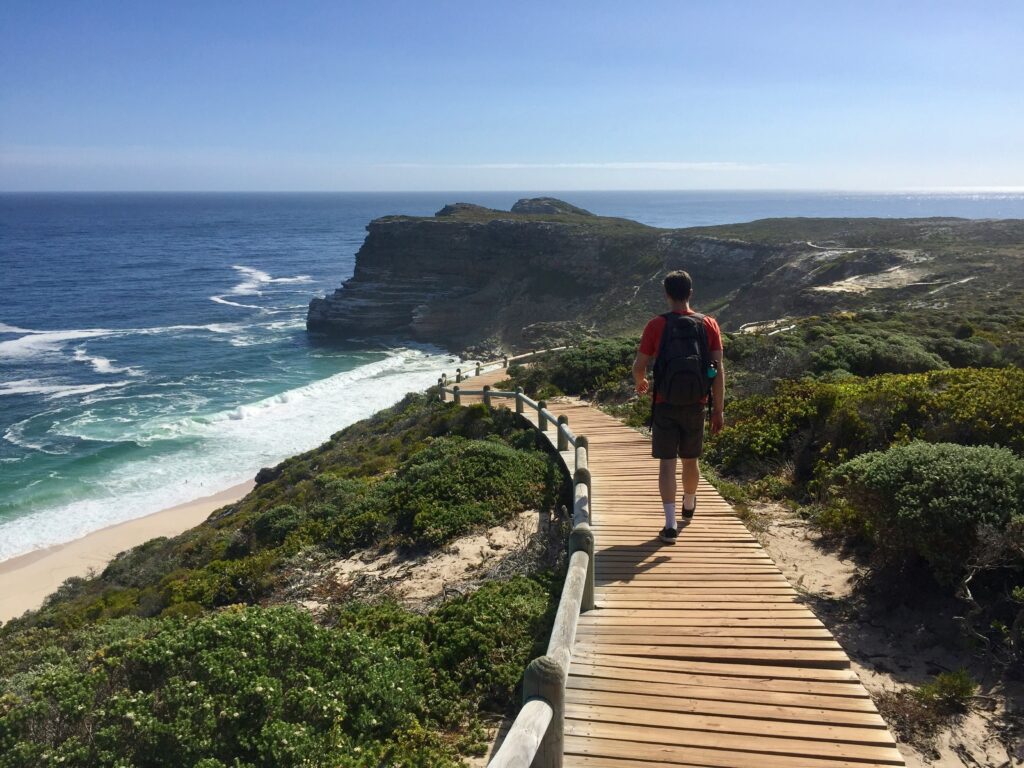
642 386
717 422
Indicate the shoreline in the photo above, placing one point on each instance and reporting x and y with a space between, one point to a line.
26 580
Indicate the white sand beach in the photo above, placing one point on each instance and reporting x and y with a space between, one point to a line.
26 580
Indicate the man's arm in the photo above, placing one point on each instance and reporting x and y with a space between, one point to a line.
640 373
718 395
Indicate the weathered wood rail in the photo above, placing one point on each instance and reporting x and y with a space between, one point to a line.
696 655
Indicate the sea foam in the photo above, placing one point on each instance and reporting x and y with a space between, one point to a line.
255 279
222 449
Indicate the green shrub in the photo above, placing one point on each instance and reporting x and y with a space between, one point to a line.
867 354
816 425
271 527
485 641
456 485
932 500
591 366
949 692
269 687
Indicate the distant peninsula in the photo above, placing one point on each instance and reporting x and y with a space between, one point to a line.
549 272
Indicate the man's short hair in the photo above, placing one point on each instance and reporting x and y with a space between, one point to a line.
678 285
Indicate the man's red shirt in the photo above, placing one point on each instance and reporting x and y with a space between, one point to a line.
650 342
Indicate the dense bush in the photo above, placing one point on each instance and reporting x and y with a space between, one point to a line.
456 485
931 501
589 368
269 687
816 425
867 354
875 342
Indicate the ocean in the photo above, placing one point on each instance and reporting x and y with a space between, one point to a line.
153 347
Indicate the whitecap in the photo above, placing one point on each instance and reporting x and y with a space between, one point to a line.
255 279
53 389
287 325
227 302
36 343
43 343
103 364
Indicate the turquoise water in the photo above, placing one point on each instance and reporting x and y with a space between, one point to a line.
152 347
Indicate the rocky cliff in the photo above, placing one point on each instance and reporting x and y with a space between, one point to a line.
547 272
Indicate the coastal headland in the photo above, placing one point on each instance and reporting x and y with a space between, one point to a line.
548 273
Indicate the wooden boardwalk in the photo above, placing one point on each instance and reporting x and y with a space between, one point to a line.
698 654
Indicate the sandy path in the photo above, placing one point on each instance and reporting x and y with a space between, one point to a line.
26 580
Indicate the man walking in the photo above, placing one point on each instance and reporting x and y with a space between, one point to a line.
686 348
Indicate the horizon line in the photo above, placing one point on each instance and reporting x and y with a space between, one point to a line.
995 189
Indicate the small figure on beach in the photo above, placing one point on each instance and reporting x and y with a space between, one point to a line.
686 350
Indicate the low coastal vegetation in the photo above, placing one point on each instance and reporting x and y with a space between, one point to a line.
185 651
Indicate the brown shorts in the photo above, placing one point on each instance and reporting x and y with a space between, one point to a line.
677 430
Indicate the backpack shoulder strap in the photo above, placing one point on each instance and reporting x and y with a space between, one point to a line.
661 346
669 318
702 335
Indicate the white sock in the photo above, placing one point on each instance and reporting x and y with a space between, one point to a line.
670 514
689 500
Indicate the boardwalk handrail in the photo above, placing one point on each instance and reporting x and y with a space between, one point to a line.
536 737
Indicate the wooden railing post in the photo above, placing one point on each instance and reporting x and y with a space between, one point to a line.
456 396
563 439
458 375
582 475
545 679
504 362
542 423
582 453
478 369
582 538
519 399
440 387
582 501
487 395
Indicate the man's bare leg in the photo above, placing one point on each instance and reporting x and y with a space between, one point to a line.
691 476
667 487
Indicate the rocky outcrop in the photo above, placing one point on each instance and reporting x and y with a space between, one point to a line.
547 272
547 206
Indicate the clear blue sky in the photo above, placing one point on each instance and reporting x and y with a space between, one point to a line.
475 95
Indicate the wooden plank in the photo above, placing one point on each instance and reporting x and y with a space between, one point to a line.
846 692
689 620
797 658
598 706
681 695
738 669
605 631
647 639
617 753
696 604
667 598
644 737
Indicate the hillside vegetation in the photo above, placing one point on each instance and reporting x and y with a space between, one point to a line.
185 651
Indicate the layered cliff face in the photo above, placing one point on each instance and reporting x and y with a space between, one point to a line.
470 274
549 272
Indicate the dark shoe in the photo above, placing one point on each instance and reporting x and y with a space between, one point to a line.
668 535
688 513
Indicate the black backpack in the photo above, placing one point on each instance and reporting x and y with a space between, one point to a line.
681 367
